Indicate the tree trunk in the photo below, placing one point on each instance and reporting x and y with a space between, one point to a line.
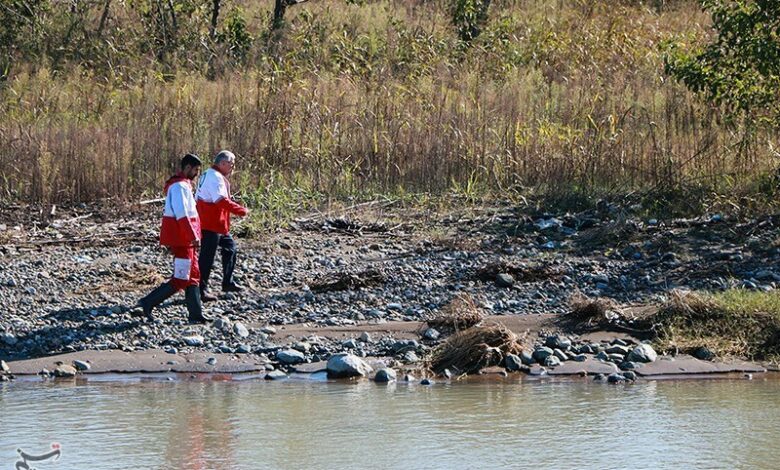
214 18
103 18
279 8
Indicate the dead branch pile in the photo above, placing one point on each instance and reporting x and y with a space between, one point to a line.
471 350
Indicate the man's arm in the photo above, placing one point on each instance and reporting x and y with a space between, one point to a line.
226 203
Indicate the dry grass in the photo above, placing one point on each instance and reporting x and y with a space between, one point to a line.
460 314
554 96
470 350
731 323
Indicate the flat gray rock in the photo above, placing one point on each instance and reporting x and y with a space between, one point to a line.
590 366
311 368
682 365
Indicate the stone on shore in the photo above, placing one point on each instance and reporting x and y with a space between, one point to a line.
385 375
526 358
642 353
513 363
505 280
347 365
4 367
240 330
275 375
8 338
65 370
431 334
81 365
194 340
290 357
542 353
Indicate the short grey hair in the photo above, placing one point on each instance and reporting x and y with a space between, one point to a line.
224 155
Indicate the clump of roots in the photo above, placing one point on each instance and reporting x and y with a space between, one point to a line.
461 313
589 312
473 349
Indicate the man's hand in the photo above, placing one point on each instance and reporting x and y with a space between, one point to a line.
196 243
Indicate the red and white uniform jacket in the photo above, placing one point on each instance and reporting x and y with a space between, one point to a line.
214 203
180 223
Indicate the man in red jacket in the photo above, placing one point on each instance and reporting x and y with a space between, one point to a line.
215 207
180 232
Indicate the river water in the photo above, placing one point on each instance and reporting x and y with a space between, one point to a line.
140 423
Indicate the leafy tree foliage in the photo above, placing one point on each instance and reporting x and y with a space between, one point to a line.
740 68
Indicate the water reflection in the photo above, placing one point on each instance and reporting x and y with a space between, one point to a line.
309 424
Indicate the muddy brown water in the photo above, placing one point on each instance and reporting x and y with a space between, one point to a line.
115 422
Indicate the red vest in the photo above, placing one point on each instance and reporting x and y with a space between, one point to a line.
214 203
180 223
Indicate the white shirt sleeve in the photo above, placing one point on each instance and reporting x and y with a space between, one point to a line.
177 197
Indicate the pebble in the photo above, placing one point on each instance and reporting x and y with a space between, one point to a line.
194 340
82 365
431 334
275 375
505 280
615 378
552 361
211 361
426 382
240 330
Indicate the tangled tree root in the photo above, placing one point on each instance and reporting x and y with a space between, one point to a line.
470 350
461 313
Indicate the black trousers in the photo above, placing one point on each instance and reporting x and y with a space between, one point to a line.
208 250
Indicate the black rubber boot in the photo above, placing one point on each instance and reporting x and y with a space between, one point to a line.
155 298
194 305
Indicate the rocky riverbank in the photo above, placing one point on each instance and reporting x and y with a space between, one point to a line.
69 279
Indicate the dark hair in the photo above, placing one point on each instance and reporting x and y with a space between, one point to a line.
190 160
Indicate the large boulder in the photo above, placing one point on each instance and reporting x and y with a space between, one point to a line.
642 353
347 365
